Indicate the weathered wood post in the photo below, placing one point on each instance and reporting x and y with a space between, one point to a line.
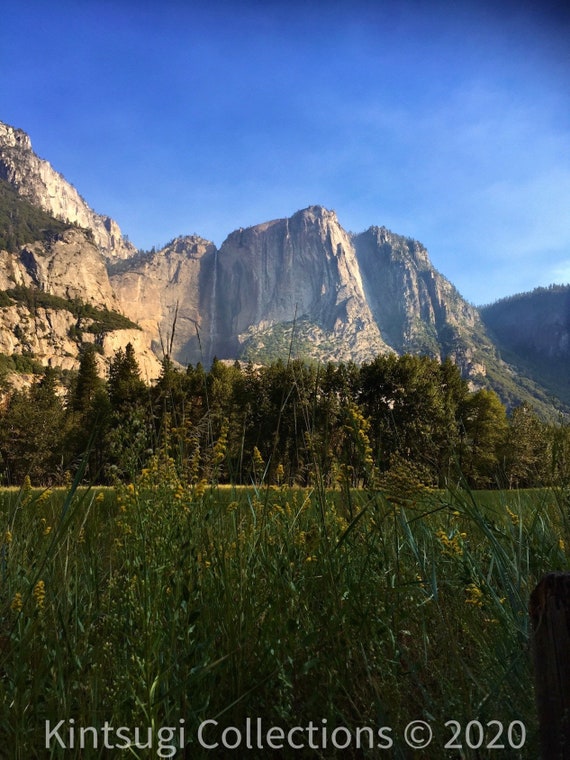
550 616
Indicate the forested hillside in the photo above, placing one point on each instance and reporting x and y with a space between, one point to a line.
532 332
21 222
394 420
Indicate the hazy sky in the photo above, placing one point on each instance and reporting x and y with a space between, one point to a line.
445 121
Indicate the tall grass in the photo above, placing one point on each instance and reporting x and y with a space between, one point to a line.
155 603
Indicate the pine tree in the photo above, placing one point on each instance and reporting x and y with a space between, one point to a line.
31 433
88 382
484 437
88 416
125 385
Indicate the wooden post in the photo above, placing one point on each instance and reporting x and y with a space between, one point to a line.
550 616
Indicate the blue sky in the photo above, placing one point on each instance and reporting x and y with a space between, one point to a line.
445 121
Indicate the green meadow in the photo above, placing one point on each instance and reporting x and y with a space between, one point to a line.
210 621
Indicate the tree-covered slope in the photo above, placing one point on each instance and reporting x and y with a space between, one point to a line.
21 222
532 333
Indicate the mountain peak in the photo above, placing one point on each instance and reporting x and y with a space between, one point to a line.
13 137
38 182
189 245
316 213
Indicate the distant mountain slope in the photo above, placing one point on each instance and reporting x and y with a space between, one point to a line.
532 332
36 181
55 293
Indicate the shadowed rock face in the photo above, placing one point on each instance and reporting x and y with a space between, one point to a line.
536 323
415 307
532 331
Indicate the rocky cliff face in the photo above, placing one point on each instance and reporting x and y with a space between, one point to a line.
36 181
300 269
304 283
69 266
417 309
52 336
168 294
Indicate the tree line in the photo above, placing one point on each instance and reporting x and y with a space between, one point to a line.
283 423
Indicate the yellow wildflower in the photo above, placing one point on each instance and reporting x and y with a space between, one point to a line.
44 496
8 536
39 593
202 561
200 488
341 523
17 602
514 517
474 595
452 544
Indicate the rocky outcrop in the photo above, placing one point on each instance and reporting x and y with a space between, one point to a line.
37 181
168 293
148 362
416 308
69 266
40 314
49 336
303 269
